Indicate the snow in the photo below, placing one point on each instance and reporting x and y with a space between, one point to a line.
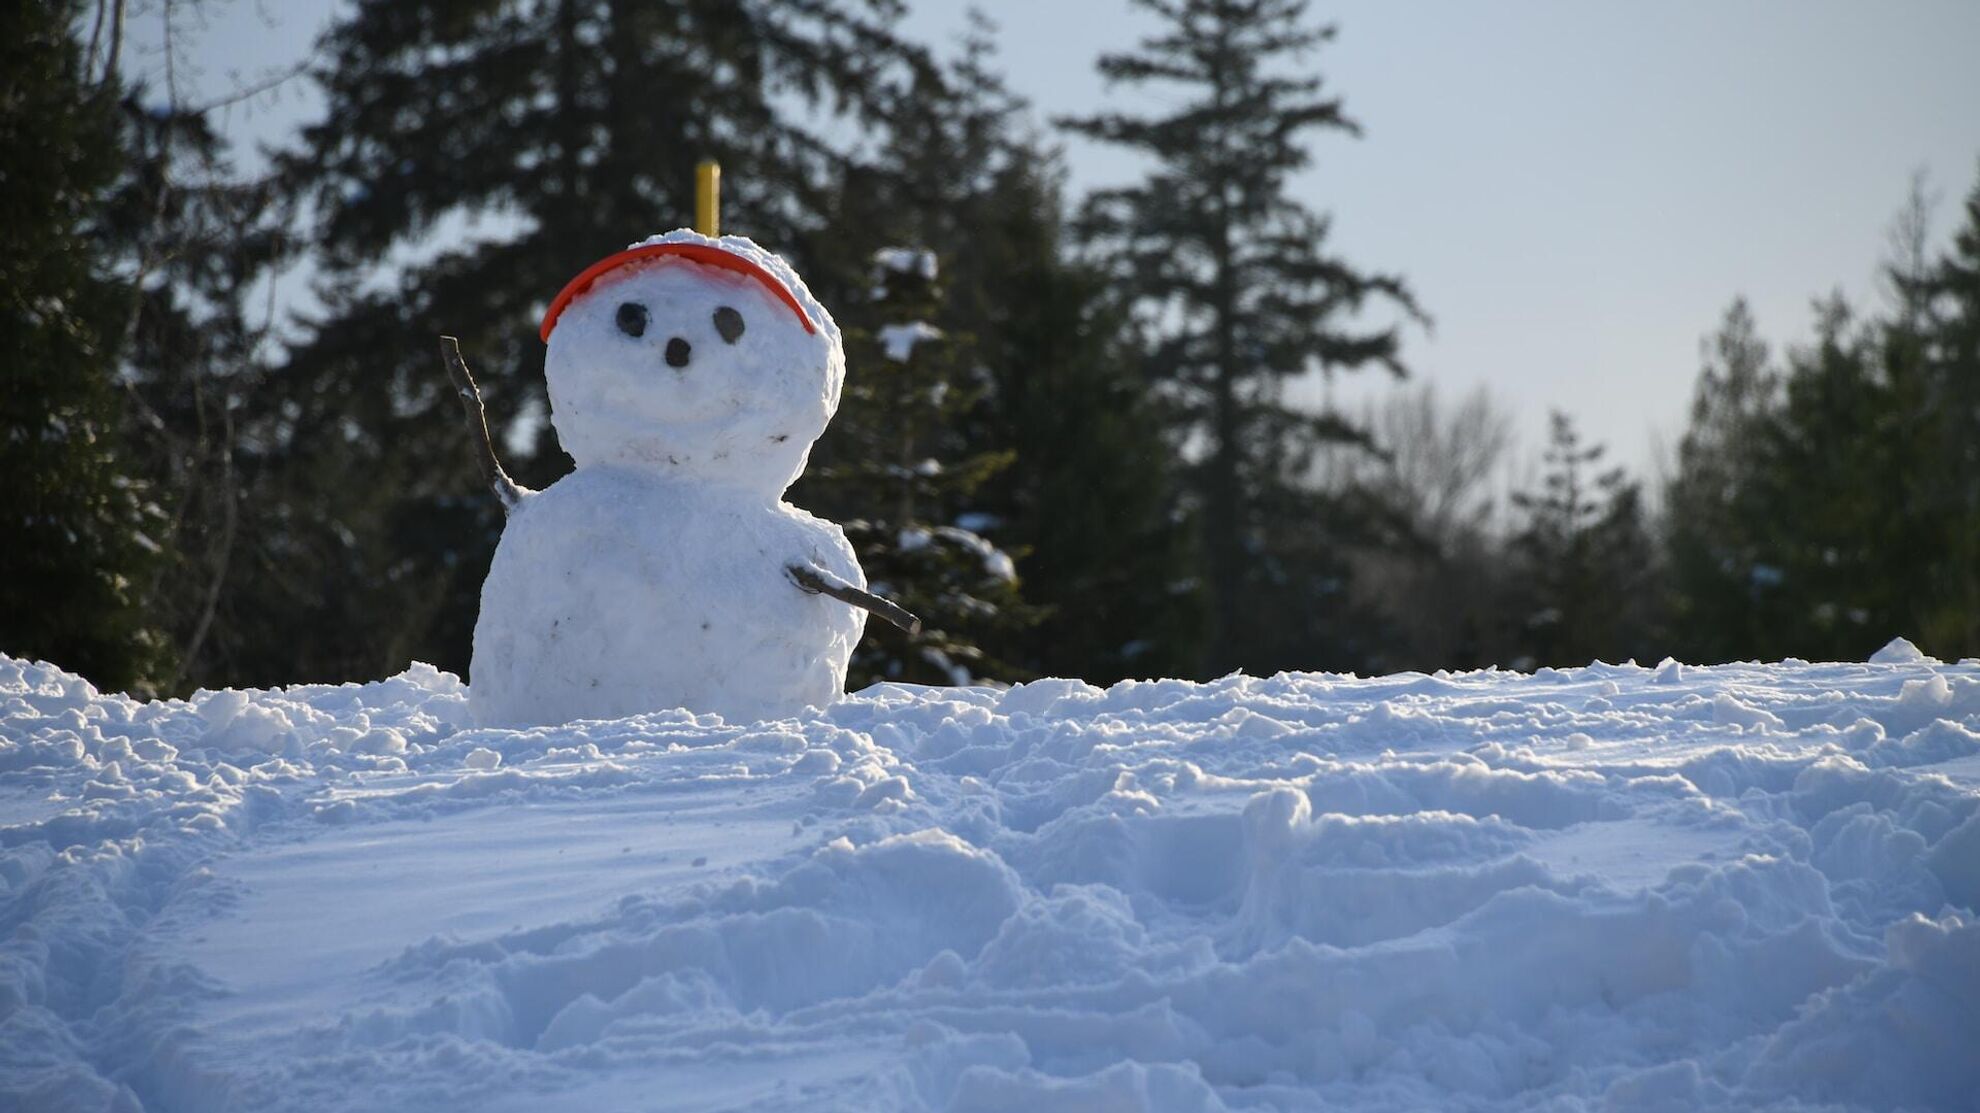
615 592
742 412
897 342
996 562
656 574
1739 887
904 260
1900 651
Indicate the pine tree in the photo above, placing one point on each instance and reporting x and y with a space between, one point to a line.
568 128
1836 498
1727 595
1230 275
1948 293
1091 500
1086 504
1824 509
79 531
894 466
1585 556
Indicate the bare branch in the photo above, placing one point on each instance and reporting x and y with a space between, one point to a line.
817 581
116 47
271 81
95 37
477 418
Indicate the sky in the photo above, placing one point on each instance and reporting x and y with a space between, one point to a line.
1575 190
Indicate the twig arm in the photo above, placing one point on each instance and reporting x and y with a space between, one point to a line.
817 581
477 418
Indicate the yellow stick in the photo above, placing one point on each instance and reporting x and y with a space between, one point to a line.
708 198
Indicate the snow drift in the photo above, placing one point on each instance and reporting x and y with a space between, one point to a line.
1750 887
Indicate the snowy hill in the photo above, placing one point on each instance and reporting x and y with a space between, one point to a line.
1746 887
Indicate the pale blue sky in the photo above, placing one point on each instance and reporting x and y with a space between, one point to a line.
1575 189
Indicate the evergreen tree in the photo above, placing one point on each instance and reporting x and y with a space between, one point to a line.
893 457
1840 494
79 531
1085 505
1584 555
1948 294
1804 516
896 467
1726 595
571 127
1091 500
1230 275
1823 512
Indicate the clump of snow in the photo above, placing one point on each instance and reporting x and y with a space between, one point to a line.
914 261
1734 887
1730 709
996 562
897 342
1900 651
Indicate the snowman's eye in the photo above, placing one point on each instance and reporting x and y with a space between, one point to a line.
632 318
729 323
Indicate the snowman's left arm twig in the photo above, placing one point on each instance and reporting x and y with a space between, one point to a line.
818 581
506 489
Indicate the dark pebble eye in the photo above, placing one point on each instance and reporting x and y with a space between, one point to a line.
729 323
632 318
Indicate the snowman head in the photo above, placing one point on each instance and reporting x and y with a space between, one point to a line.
693 357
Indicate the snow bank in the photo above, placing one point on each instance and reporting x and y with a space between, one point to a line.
1745 887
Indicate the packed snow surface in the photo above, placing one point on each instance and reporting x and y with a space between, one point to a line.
1618 888
655 575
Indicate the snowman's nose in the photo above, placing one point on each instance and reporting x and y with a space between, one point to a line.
678 351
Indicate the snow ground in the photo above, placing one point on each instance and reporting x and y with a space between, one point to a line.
1615 888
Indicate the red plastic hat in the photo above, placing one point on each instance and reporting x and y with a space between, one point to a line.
698 252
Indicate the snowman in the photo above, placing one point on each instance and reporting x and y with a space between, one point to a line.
689 377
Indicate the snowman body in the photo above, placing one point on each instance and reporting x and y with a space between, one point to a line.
655 575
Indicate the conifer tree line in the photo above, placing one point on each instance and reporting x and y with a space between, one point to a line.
1073 436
